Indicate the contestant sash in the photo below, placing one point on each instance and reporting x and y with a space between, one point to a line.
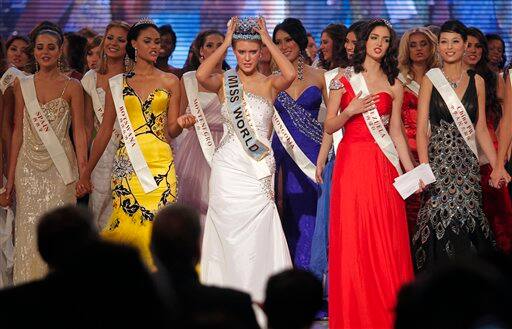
293 149
457 110
337 135
133 150
45 131
9 76
203 132
412 85
241 122
89 82
375 125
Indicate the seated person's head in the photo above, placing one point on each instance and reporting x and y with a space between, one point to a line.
175 237
292 299
62 232
464 294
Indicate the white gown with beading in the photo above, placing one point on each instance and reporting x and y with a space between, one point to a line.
243 242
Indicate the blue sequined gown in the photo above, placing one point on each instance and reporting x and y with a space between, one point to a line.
298 192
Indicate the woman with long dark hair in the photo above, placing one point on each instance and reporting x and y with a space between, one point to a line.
193 157
369 253
332 42
496 202
451 222
145 102
14 65
297 109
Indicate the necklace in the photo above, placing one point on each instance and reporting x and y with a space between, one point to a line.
454 84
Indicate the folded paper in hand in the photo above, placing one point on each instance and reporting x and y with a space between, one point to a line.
409 182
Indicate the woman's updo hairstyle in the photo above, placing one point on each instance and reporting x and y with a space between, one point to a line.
134 32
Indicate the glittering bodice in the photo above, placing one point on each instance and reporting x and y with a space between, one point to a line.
58 113
301 114
261 111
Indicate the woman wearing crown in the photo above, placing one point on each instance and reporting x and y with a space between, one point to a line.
243 241
369 254
145 102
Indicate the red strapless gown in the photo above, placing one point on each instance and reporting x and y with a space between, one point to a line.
369 253
409 118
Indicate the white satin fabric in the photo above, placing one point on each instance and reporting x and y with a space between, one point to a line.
100 199
243 242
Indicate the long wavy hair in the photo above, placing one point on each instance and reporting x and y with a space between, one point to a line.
356 28
389 63
404 55
337 33
195 48
492 101
102 64
75 51
23 38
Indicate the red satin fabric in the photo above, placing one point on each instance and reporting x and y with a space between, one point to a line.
369 254
409 118
497 205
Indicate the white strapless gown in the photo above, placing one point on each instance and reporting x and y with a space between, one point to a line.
243 242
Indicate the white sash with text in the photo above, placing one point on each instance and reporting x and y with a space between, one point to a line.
45 131
203 132
411 84
289 144
9 76
457 110
139 164
375 124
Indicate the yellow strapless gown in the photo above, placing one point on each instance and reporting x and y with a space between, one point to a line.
134 210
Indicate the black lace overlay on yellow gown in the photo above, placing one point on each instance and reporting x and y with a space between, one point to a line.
134 210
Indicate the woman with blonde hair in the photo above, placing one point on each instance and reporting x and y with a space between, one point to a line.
417 54
112 61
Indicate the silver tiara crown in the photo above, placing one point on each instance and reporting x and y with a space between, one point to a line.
245 29
385 21
144 20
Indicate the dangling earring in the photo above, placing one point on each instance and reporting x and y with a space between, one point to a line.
135 60
59 64
300 68
37 66
104 58
127 63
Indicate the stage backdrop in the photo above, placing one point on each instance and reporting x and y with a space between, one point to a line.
188 17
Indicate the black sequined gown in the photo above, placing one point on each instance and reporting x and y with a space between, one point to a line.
451 221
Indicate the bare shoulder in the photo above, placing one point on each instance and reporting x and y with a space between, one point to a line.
74 84
169 80
317 72
479 80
